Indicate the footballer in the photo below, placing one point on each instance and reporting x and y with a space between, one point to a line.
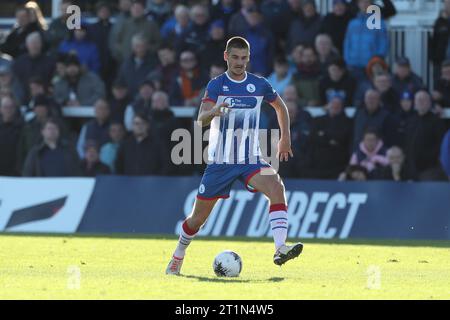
232 106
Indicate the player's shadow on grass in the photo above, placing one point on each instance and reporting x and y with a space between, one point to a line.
232 280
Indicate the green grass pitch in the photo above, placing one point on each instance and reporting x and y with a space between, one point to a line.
117 267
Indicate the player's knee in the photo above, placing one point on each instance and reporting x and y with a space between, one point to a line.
276 190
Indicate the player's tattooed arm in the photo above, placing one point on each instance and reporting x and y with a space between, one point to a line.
209 110
284 145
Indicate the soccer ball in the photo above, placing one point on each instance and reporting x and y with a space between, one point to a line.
227 264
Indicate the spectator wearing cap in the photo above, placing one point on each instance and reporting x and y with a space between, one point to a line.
215 46
197 33
424 136
79 87
404 78
14 44
238 22
175 28
326 52
306 27
119 100
108 152
99 33
34 63
400 120
440 44
330 140
362 43
135 69
396 170
53 157
335 23
96 129
135 24
337 81
91 166
141 153
188 83
9 85
10 131
57 31
158 11
281 77
445 154
441 94
370 115
387 8
141 105
306 78
371 152
223 10
86 50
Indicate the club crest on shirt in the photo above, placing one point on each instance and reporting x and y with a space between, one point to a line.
251 88
201 189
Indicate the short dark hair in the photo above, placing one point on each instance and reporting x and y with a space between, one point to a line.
238 43
371 130
51 121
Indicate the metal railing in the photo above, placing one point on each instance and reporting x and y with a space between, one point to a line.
189 112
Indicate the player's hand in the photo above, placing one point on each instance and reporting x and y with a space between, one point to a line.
284 150
220 109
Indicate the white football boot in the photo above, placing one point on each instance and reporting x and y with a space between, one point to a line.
174 266
286 253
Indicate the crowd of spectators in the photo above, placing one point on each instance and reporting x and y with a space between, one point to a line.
141 57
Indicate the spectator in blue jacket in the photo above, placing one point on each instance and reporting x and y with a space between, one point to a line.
306 27
281 76
362 43
261 41
86 50
445 153
108 152
176 26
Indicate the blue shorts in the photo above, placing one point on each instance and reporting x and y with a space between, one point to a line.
218 179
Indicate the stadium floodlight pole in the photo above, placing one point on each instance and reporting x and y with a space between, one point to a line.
232 107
